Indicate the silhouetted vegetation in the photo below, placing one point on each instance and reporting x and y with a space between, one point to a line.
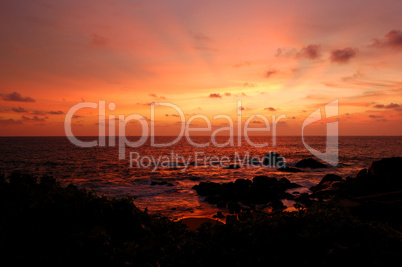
43 222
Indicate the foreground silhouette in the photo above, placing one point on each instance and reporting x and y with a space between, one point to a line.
42 222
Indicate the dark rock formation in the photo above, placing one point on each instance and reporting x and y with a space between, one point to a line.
262 189
207 188
161 183
289 169
310 163
232 166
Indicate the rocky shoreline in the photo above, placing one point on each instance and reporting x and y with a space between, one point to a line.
377 188
353 221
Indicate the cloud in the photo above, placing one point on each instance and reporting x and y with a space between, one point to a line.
6 122
286 52
271 109
38 112
242 64
294 70
14 96
201 37
34 118
375 116
269 73
311 52
391 39
148 104
19 110
389 106
343 55
283 123
156 96
206 48
58 112
42 113
215 95
202 42
247 84
241 108
228 94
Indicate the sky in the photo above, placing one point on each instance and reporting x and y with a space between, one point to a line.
277 57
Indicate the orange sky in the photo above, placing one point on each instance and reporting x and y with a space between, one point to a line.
287 57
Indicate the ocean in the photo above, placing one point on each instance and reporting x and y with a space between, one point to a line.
163 185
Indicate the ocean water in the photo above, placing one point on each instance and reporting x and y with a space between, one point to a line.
99 168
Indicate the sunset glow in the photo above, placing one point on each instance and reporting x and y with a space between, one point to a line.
288 57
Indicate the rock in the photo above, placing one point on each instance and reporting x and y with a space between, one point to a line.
243 182
303 199
213 199
284 182
289 169
221 204
331 178
310 163
219 215
386 167
245 215
194 178
277 205
159 183
232 166
231 219
362 173
234 207
260 190
242 185
264 181
328 183
273 159
207 188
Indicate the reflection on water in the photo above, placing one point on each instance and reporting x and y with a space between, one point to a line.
100 169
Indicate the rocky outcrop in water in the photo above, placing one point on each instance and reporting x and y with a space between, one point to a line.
310 163
261 190
374 193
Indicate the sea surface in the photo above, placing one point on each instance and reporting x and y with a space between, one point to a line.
100 169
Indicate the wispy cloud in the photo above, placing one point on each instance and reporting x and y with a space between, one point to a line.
389 106
270 73
34 118
215 95
344 55
392 39
6 122
14 96
311 51
19 110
